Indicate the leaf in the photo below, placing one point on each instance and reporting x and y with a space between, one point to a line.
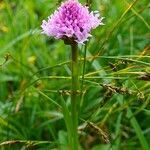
136 126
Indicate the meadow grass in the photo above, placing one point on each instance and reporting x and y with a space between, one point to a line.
35 79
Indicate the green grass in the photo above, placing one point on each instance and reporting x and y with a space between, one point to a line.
35 73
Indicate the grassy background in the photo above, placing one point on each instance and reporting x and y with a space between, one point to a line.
35 70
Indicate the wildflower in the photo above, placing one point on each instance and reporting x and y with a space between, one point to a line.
71 21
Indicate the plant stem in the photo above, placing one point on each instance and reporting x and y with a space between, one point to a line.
82 83
74 95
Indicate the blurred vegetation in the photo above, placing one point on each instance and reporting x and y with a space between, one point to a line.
35 70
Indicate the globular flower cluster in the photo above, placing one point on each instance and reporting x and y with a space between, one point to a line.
71 20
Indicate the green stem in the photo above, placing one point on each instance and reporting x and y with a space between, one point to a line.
83 73
74 95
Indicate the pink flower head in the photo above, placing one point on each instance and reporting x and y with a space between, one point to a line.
72 21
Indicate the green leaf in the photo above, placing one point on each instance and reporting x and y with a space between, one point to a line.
136 126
